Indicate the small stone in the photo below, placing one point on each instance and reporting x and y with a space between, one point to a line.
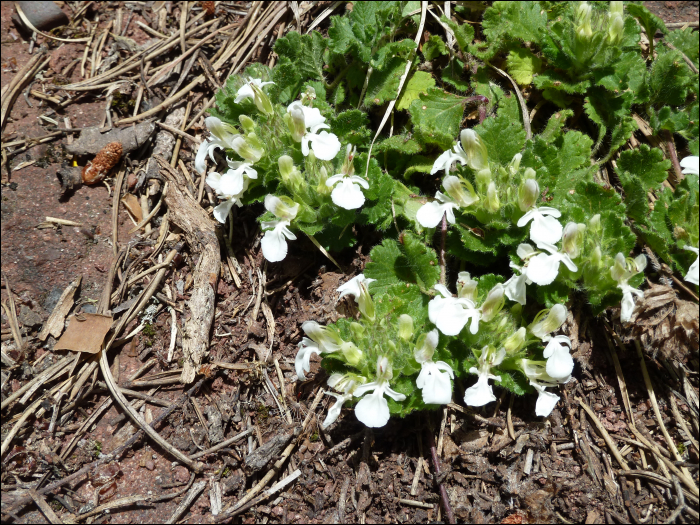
181 475
29 318
150 464
43 15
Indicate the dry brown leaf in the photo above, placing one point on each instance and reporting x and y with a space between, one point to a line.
131 203
86 335
57 319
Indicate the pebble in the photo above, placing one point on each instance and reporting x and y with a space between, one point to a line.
181 475
150 464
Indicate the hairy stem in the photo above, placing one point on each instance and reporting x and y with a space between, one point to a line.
443 238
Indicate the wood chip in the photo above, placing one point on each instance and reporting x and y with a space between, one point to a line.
133 206
56 321
85 335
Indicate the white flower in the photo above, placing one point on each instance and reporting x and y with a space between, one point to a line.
537 375
253 89
560 364
348 193
460 194
548 321
469 150
546 401
302 362
529 191
434 378
451 314
273 244
345 384
373 409
493 303
230 186
515 286
357 287
325 338
690 165
543 268
222 137
622 271
545 227
482 393
306 123
692 275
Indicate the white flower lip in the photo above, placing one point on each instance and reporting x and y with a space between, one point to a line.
347 192
546 401
434 381
693 272
560 364
325 145
545 228
246 91
274 244
690 165
543 268
451 314
373 409
223 135
302 362
430 214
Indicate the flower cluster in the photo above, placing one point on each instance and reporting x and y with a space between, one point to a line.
300 129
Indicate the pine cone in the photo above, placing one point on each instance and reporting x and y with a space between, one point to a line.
104 161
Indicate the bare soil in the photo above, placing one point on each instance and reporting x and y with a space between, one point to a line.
555 470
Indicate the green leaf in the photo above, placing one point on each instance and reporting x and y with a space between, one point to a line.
687 41
514 21
649 21
434 48
503 134
670 78
409 262
555 124
522 64
549 79
648 164
305 52
351 126
399 143
402 49
436 117
452 75
384 84
464 34
627 73
635 198
668 118
418 85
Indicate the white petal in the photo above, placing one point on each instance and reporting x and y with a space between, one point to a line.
525 251
348 195
436 385
515 288
447 315
274 245
305 145
442 289
430 214
545 401
626 307
444 161
334 411
222 210
571 265
545 230
214 181
359 180
393 394
543 269
373 410
367 387
325 145
302 362
245 92
479 394
690 165
200 161
312 118
547 210
693 274
231 183
560 364
522 221
331 181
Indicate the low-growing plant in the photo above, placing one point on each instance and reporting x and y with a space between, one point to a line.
534 208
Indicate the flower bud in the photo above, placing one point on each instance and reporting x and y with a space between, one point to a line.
297 123
466 286
425 346
594 224
262 101
249 147
358 330
515 163
309 94
281 207
352 354
528 193
548 321
516 342
572 241
493 303
384 369
405 327
616 27
493 204
474 147
596 257
322 188
461 191
617 7
291 176
583 20
483 178
247 124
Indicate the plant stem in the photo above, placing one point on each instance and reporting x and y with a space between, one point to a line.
443 238
341 75
443 492
668 137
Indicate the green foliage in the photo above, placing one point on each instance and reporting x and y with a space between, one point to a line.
408 261
436 117
522 65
